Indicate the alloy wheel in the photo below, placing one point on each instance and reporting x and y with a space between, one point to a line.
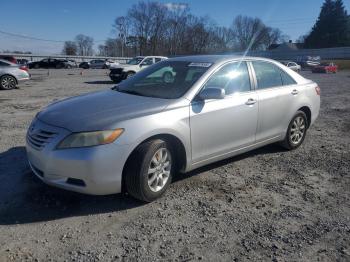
159 170
8 82
297 130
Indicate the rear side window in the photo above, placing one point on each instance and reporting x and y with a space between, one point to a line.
267 75
287 79
3 64
233 78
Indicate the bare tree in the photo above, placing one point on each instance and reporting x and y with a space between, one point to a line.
84 45
176 27
252 34
275 36
69 48
170 29
121 25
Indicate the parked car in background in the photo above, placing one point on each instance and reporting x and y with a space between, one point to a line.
11 74
22 61
133 66
308 61
70 63
84 65
11 59
292 65
137 135
325 68
49 63
99 64
95 64
113 64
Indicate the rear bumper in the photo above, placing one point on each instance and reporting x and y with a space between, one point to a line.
23 79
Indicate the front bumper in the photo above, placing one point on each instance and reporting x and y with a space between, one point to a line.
117 77
92 170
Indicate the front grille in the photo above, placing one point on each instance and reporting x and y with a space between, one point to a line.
39 138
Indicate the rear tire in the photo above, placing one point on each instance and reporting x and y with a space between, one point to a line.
296 131
7 82
149 170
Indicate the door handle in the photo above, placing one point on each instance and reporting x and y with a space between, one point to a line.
295 92
250 101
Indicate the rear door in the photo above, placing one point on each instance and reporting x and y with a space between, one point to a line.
220 126
277 93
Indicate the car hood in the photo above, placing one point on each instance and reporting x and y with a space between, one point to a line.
99 110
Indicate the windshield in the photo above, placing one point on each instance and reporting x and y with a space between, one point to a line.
168 79
135 61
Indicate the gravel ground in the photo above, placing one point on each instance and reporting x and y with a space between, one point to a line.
268 204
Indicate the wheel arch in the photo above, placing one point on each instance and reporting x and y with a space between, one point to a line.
307 112
11 76
176 144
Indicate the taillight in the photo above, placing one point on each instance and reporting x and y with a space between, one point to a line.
318 90
23 68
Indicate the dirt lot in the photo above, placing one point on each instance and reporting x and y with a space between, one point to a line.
268 204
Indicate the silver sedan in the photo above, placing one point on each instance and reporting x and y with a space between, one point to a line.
11 74
136 136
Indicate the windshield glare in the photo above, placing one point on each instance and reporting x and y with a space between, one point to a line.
168 79
135 61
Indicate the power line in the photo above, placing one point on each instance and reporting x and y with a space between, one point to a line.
30 37
38 39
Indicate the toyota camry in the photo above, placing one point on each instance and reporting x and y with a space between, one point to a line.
170 118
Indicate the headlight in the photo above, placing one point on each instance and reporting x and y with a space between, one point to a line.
90 138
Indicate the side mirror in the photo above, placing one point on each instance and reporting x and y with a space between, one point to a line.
212 93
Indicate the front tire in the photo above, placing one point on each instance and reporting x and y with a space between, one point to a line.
296 131
7 82
149 170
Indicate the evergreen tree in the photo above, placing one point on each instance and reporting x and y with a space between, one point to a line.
331 28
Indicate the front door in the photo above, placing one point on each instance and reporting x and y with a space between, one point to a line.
220 126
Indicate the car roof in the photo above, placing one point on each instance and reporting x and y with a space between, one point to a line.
156 56
216 58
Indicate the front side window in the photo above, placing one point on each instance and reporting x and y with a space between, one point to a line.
157 59
267 75
148 61
135 61
232 78
166 79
